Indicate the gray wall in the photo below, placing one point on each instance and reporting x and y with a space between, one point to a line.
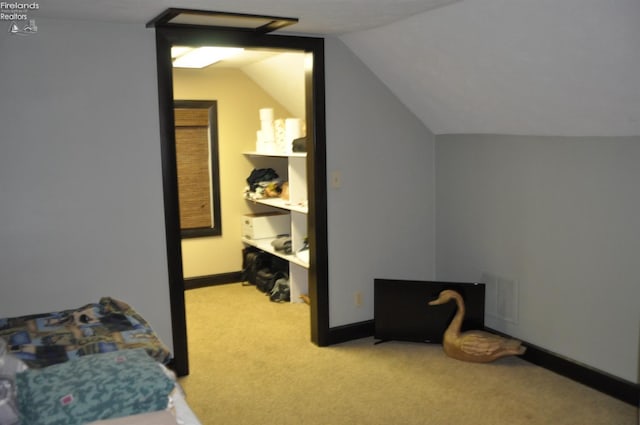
381 221
558 219
81 212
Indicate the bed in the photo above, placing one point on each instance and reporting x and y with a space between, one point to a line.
100 363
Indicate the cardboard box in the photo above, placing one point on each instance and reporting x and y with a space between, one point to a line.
266 225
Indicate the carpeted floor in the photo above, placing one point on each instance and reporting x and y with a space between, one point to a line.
251 362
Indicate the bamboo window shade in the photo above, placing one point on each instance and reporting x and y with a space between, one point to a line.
192 158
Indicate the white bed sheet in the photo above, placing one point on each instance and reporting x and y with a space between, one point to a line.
184 414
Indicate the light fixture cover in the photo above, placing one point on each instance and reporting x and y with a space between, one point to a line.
205 18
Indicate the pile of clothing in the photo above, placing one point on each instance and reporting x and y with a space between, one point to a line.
265 183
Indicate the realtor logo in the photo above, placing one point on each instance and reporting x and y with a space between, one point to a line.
17 14
29 28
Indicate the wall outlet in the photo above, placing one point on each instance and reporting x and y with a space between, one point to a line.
357 298
336 179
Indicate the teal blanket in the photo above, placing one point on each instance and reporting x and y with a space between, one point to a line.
90 388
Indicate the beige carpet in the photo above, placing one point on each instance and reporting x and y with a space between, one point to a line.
252 363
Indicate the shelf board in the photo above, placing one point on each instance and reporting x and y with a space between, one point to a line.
282 204
265 245
278 155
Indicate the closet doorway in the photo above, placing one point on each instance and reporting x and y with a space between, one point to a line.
313 48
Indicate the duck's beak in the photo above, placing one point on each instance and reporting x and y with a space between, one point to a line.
433 300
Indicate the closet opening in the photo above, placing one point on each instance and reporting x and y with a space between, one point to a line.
256 43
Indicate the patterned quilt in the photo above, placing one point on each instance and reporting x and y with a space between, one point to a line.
41 340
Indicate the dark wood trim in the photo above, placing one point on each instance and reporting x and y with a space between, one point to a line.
200 232
212 280
350 332
272 23
171 207
317 186
598 380
166 36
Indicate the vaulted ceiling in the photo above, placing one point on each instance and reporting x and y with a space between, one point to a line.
539 67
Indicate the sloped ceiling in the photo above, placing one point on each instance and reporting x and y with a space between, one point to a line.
280 73
539 67
282 76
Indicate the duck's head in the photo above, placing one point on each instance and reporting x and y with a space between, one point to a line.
444 297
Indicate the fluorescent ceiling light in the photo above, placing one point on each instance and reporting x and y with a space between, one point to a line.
203 56
177 51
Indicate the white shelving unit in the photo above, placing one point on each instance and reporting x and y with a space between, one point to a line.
297 206
277 155
283 205
265 245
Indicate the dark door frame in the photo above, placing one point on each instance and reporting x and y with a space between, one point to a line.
166 36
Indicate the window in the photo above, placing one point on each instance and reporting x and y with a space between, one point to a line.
196 133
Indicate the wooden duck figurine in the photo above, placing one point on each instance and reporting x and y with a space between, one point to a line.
473 346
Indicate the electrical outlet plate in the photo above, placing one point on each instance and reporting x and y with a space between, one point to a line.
357 298
336 179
